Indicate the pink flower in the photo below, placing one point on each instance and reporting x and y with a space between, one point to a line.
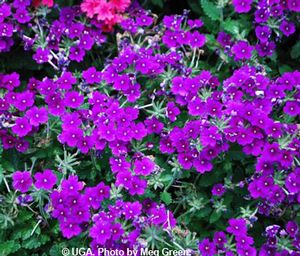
37 3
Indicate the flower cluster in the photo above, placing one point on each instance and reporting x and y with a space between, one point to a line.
243 243
270 18
108 12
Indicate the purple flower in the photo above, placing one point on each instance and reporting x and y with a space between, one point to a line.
207 248
218 190
287 28
202 165
4 11
237 227
75 30
292 228
249 251
66 81
72 184
244 241
73 99
144 166
86 42
24 100
195 39
6 29
85 144
102 191
76 53
263 33
116 231
45 180
21 127
124 178
242 50
42 55
265 49
24 199
91 75
37 115
242 6
276 195
144 21
22 15
153 125
292 182
172 111
220 239
294 5
69 229
224 39
292 108
71 136
132 210
137 186
262 15
22 181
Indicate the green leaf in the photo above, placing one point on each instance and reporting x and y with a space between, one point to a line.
35 241
215 216
9 247
158 3
194 6
295 52
211 10
231 26
285 68
166 197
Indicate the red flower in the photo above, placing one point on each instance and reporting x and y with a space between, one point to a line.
37 3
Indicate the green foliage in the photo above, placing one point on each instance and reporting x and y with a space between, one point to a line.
211 10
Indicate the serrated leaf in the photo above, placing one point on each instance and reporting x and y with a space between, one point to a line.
35 241
211 10
9 247
166 197
231 26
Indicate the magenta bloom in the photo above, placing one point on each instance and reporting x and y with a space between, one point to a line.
37 116
195 39
91 75
101 232
294 5
242 6
172 111
207 248
24 100
45 180
73 99
292 108
292 228
42 55
242 50
144 166
22 127
72 184
287 28
237 227
218 190
22 181
69 229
